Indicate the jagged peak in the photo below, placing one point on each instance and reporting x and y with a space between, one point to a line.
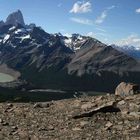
15 18
1 23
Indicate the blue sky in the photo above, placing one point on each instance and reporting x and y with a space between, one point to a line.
111 21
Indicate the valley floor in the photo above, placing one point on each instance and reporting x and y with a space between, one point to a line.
87 118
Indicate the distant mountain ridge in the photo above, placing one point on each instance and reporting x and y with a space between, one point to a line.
129 50
56 61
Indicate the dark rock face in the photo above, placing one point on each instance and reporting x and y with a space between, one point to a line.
28 47
126 89
96 57
15 18
1 23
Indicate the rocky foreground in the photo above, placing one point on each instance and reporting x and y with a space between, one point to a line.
88 118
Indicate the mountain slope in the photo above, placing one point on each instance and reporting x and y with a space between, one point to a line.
100 57
56 61
20 47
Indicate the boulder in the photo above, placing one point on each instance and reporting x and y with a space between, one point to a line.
126 89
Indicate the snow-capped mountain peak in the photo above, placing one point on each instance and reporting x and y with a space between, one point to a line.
129 50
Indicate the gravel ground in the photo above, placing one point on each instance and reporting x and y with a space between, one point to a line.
88 118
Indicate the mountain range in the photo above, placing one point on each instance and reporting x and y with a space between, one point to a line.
55 61
129 50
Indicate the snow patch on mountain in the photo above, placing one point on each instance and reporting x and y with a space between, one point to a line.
12 28
22 30
25 37
74 41
68 42
6 38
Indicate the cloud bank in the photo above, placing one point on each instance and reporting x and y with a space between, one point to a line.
81 7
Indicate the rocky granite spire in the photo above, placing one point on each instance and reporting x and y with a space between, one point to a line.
15 18
1 23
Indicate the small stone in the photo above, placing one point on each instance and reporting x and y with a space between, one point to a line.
135 114
9 108
109 124
108 94
14 127
99 98
86 106
121 102
50 127
42 129
37 105
76 129
10 105
84 123
43 105
5 123
134 128
138 126
119 127
16 132
125 112
120 122
1 120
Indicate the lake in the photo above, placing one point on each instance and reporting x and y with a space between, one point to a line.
12 95
6 78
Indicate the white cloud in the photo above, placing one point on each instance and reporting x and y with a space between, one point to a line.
103 15
101 19
91 34
81 7
67 34
111 7
132 40
138 10
82 21
95 35
100 29
102 34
